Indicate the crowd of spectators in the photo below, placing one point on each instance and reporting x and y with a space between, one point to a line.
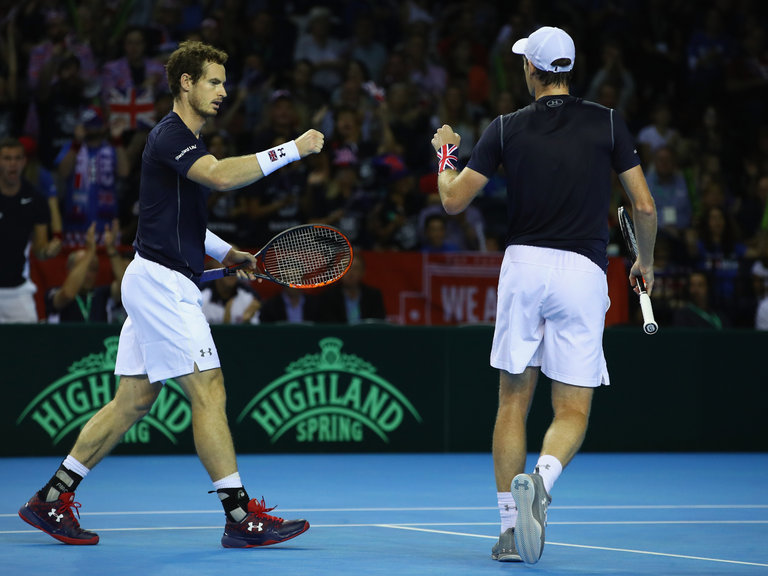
82 83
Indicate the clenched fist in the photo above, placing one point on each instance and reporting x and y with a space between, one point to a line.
311 142
445 135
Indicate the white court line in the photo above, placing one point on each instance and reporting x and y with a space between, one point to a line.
418 528
606 548
416 525
436 509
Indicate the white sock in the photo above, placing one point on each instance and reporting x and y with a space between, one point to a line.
71 463
507 510
231 481
549 468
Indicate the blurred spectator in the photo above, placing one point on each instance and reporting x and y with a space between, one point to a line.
670 285
270 34
165 29
661 47
359 92
435 235
129 84
394 221
747 78
310 101
225 209
273 204
59 43
280 123
320 46
79 299
366 48
408 120
697 311
228 301
659 133
719 254
613 73
709 50
13 108
42 178
753 213
424 70
454 109
466 66
91 165
350 300
465 231
670 192
345 205
710 134
24 220
60 101
290 305
349 146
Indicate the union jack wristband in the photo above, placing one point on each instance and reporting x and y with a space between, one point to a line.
446 157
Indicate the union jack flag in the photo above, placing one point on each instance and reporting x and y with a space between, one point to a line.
135 105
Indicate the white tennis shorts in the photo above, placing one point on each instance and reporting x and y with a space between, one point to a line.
551 314
17 304
166 333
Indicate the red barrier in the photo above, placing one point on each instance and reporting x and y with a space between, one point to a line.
418 288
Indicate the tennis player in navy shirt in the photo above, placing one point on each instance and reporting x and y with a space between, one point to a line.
166 334
557 155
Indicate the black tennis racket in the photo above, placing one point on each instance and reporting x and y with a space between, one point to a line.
628 231
305 256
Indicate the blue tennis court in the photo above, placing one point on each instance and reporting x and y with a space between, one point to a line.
633 514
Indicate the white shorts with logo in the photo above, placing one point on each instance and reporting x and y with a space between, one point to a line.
551 313
166 333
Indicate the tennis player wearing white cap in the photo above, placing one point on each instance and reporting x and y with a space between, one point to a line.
557 155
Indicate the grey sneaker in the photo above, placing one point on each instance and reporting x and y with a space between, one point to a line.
532 501
505 550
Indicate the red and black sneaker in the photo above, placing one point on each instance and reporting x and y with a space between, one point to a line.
260 529
57 519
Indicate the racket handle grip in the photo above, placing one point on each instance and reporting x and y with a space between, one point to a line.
214 274
649 322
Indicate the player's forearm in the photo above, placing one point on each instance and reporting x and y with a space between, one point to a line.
453 201
645 229
239 171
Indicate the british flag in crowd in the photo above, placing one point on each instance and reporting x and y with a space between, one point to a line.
135 105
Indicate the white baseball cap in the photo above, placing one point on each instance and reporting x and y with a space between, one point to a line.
545 46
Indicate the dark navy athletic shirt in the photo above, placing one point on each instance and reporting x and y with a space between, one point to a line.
557 154
173 212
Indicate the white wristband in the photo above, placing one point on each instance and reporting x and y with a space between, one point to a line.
277 157
215 247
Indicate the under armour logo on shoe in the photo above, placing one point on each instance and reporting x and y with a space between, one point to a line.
203 352
252 526
506 507
518 484
57 516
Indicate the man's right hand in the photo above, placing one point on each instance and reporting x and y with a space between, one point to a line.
311 142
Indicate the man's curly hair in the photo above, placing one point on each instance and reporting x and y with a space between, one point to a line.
190 58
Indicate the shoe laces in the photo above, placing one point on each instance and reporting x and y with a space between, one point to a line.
260 509
68 503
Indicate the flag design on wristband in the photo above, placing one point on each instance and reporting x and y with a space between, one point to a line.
273 154
446 157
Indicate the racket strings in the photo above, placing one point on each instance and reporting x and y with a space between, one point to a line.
308 257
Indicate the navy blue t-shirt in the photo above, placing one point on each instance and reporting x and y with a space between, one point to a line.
557 155
173 212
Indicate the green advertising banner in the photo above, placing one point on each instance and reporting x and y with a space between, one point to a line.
381 388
